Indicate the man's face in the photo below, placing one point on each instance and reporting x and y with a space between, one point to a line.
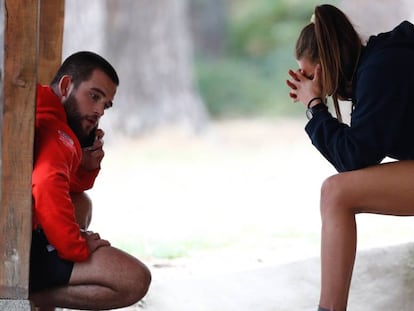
86 104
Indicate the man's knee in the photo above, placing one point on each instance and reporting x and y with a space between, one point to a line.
83 209
127 277
134 284
139 288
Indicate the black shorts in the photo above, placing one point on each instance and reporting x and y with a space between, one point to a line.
47 269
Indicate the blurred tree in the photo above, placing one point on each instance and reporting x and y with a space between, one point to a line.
149 43
208 26
248 78
258 28
84 27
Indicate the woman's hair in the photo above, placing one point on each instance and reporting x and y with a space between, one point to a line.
80 67
331 40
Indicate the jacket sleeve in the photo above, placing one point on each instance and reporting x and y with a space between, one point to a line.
83 179
343 146
55 158
375 121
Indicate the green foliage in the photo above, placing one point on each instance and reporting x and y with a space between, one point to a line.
232 87
256 28
245 238
235 88
172 248
249 80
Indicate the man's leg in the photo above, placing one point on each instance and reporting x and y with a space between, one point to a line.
83 214
101 275
83 209
386 189
109 279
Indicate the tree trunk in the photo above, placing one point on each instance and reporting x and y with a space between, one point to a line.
208 24
84 27
149 42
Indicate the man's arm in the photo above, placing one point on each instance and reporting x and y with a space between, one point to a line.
53 208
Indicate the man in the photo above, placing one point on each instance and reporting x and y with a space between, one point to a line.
71 267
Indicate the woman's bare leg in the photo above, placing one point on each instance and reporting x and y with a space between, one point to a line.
383 189
338 247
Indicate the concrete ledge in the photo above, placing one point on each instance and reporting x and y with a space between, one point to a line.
383 280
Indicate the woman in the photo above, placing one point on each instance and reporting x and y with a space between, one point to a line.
378 78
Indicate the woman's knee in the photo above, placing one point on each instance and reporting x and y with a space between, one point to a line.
334 194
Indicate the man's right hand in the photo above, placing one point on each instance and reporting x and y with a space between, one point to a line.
94 241
92 156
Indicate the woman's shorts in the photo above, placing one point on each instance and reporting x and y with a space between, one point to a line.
47 269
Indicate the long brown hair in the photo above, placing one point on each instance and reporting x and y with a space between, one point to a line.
331 40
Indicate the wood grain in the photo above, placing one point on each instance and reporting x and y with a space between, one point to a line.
19 85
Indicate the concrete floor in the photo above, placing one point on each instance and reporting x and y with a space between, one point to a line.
383 280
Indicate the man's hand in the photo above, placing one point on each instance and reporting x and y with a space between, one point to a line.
94 241
93 155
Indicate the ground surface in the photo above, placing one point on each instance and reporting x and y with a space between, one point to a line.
226 220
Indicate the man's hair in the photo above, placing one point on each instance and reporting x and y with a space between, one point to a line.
80 66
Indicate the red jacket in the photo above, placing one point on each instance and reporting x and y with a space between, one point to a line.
56 173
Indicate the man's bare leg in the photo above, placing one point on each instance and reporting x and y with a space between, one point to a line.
83 214
83 209
135 292
109 279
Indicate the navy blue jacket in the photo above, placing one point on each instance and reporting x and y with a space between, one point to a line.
382 121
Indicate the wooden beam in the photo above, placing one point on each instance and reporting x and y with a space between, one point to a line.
52 14
20 78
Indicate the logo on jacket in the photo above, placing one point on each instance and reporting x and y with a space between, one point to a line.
66 139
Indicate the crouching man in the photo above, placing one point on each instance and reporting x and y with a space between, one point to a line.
69 266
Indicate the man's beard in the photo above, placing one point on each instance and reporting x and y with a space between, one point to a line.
74 119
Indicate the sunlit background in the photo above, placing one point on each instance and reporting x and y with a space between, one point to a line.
207 169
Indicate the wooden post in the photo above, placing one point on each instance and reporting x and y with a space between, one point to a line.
52 14
29 57
20 78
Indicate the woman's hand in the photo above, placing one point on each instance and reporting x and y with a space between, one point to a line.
304 88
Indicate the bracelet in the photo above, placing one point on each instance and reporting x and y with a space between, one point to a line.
313 99
312 111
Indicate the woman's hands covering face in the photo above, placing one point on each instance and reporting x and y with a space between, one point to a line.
305 83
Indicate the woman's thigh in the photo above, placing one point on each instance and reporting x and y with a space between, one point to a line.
382 189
